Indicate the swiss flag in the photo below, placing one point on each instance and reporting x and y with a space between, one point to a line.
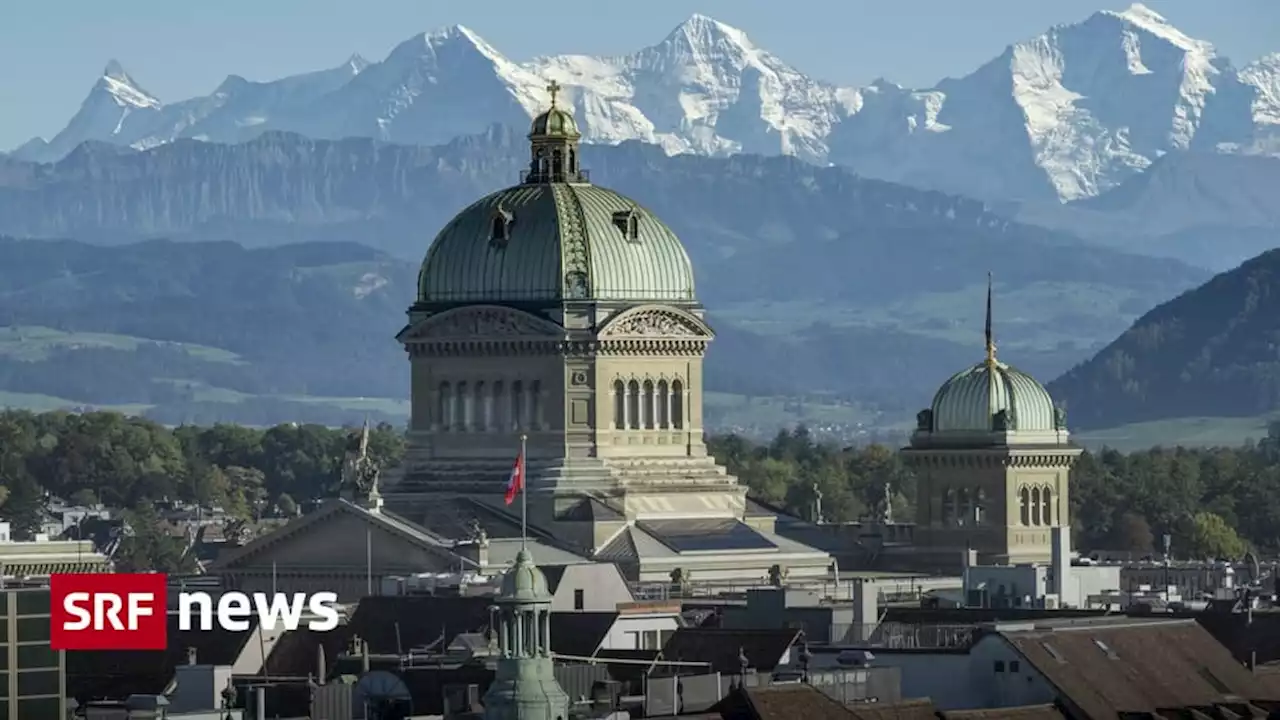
516 483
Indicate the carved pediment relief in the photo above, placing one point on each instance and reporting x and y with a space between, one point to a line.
481 323
655 322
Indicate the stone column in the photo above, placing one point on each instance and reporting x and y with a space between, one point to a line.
626 407
653 408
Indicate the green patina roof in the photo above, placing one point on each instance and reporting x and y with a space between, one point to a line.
564 241
524 582
554 122
970 399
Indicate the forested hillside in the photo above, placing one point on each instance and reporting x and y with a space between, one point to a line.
1213 351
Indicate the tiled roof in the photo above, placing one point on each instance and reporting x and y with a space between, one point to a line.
917 709
721 647
116 674
1137 667
786 702
1024 712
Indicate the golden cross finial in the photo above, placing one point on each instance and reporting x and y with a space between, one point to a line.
554 89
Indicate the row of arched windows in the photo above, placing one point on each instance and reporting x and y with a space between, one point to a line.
648 405
495 406
964 507
1035 506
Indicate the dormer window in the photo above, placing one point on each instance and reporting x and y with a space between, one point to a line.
500 227
628 223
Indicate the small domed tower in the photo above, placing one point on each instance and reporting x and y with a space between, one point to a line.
525 686
992 457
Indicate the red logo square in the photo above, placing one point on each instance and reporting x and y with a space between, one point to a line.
109 611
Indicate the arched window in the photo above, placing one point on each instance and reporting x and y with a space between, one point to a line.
1024 506
649 410
677 404
498 230
482 407
963 507
1035 506
517 405
444 405
949 506
980 506
462 419
664 404
633 405
619 405
573 161
500 407
1046 506
633 226
557 166
535 405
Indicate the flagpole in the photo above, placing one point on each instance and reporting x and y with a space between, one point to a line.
524 494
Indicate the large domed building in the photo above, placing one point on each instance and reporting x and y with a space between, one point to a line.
565 313
993 457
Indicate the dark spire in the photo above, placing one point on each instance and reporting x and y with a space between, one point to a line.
991 344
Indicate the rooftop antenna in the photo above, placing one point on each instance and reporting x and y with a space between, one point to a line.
990 344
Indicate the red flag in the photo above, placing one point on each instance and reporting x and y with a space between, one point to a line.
515 485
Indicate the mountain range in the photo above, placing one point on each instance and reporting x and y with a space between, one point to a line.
869 292
1062 116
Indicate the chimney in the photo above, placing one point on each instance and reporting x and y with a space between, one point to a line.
260 702
364 656
191 656
1060 539
322 671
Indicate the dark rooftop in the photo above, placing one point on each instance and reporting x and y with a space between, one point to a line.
706 535
580 633
784 702
1024 712
722 647
115 674
915 709
1140 667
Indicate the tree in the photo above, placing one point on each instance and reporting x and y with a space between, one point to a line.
1211 537
83 497
1132 533
286 505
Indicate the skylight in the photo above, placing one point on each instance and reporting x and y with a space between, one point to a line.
1053 651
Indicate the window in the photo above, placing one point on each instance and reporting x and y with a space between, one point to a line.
38 682
579 599
999 666
462 407
498 230
33 602
36 656
1014 666
633 227
650 402
1024 506
500 407
40 707
535 404
649 640
482 407
33 629
619 405
677 404
444 405
664 404
1035 507
1046 517
633 405
517 405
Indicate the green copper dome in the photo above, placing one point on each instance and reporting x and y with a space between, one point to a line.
555 122
973 400
552 241
524 582
555 236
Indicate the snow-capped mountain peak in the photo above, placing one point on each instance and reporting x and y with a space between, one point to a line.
122 88
1067 114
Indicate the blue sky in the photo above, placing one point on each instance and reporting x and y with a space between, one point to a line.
53 50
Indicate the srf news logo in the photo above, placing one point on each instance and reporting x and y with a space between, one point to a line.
123 611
